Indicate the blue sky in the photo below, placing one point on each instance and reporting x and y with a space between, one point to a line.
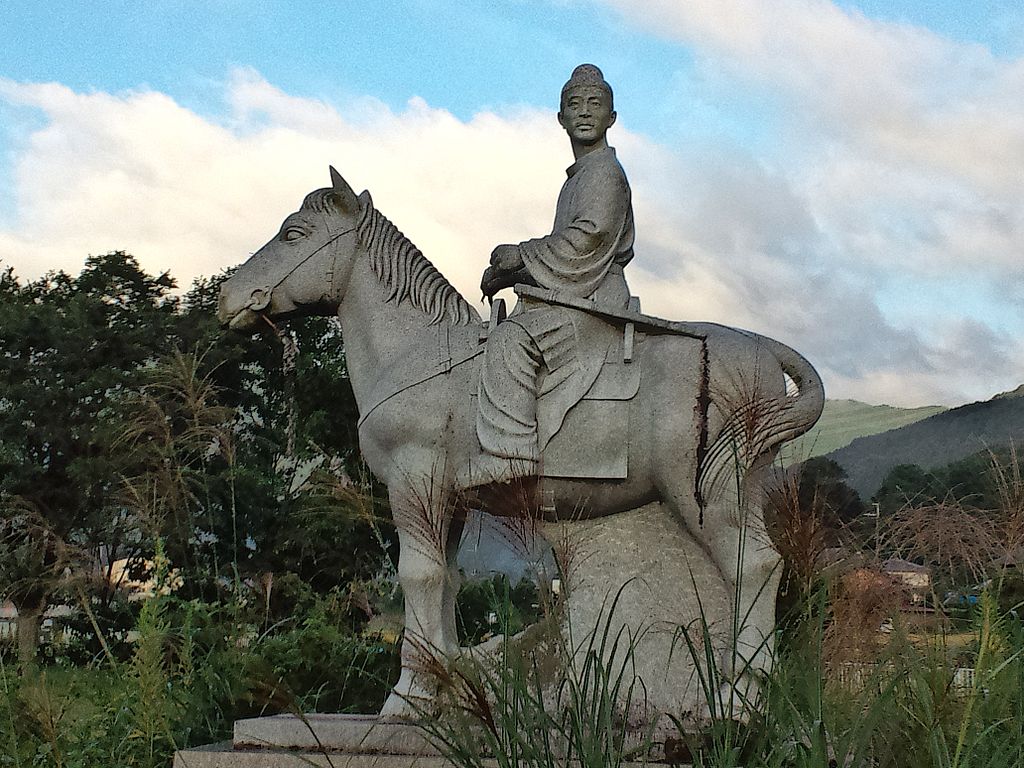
485 54
845 176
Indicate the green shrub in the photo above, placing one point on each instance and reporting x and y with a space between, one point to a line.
321 666
494 606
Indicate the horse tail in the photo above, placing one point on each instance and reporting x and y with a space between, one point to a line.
758 422
803 407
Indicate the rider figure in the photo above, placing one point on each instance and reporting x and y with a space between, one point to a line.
583 257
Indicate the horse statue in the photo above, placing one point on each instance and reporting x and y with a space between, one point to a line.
713 407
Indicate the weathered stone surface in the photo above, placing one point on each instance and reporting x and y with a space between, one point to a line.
225 756
545 357
710 414
360 734
645 564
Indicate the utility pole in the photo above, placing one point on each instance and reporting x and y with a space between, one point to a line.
877 514
878 524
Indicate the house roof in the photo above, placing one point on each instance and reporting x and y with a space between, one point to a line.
896 565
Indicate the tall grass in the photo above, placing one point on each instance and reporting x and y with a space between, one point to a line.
839 693
195 669
544 703
907 708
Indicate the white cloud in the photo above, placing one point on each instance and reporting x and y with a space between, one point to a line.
898 157
792 246
879 114
139 172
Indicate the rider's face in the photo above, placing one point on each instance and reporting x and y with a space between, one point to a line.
586 114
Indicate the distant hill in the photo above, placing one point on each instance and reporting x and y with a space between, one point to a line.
1018 392
843 421
935 441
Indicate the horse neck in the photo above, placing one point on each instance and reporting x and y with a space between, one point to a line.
379 333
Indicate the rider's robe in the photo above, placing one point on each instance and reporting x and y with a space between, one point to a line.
593 231
538 355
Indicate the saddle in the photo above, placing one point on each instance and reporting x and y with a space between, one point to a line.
583 422
591 440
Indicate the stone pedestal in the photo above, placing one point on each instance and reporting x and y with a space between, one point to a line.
226 756
646 564
345 741
357 741
643 562
360 734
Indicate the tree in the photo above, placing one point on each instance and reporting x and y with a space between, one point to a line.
807 510
966 518
823 478
112 437
30 568
70 347
970 481
295 410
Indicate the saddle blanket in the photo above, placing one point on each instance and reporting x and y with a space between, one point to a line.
593 441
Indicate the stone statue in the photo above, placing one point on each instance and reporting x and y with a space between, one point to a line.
686 416
583 257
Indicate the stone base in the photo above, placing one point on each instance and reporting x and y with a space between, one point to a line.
657 564
356 741
345 741
355 734
224 755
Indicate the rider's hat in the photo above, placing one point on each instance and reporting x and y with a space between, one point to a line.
586 74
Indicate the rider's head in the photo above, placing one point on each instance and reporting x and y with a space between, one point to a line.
587 108
587 75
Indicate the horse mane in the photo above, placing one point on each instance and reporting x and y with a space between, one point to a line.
406 274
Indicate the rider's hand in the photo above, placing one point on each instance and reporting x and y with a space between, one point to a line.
490 282
506 258
495 279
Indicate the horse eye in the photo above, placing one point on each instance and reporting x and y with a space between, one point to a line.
293 233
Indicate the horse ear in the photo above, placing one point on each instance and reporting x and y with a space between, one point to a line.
343 193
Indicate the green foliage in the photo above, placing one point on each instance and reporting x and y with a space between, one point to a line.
319 665
807 512
132 427
194 669
71 346
971 481
516 709
823 481
493 606
106 430
151 704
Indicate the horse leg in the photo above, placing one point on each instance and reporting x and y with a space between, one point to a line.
424 534
734 536
452 583
752 569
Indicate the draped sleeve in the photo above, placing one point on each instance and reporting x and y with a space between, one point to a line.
593 229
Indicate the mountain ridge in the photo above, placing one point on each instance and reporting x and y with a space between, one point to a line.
934 441
845 420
